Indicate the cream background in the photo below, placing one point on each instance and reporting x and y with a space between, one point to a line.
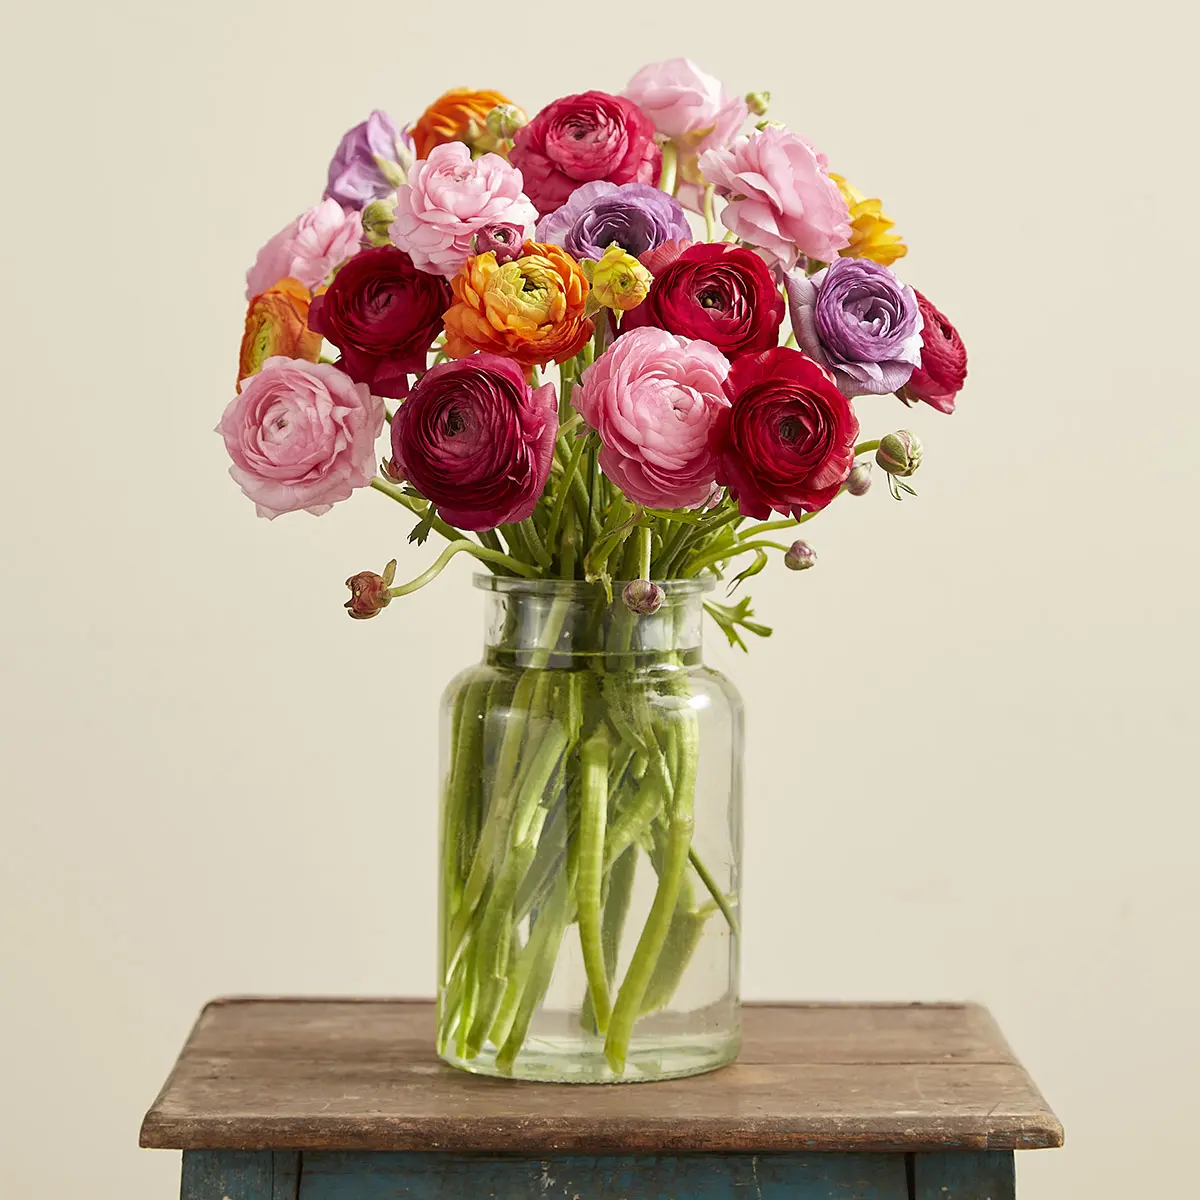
972 755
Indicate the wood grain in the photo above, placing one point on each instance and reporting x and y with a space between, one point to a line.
957 1176
362 1075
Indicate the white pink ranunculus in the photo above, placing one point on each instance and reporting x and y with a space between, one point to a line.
781 199
301 436
653 397
685 102
449 198
309 249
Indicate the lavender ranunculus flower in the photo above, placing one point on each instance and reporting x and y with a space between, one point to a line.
636 216
370 163
858 320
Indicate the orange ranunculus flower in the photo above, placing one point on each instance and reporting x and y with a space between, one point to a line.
458 116
277 324
530 309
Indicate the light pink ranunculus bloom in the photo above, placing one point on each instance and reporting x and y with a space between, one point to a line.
684 101
314 244
449 198
301 435
653 398
781 199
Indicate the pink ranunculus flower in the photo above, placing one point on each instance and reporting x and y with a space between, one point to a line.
301 436
310 248
449 198
654 397
781 198
685 102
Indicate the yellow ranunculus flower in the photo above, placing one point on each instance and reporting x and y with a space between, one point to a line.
870 228
619 281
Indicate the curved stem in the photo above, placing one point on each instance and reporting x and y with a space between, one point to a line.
715 556
769 527
463 547
414 506
867 447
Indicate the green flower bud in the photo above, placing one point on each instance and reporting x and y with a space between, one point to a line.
643 597
899 453
858 482
504 120
377 218
799 557
757 103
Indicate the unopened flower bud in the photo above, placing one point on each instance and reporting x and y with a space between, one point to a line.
899 453
619 281
504 120
377 219
504 241
370 594
643 597
757 103
799 557
858 482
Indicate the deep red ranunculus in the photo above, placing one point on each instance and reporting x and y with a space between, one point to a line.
476 440
787 440
723 294
943 368
580 138
382 314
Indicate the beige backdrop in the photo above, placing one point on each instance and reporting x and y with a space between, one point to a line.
971 760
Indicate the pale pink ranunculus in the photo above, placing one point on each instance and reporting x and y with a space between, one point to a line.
653 397
684 101
449 198
309 249
781 199
301 436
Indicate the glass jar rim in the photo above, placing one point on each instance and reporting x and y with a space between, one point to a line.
580 589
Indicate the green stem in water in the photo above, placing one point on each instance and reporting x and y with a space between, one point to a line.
715 892
593 815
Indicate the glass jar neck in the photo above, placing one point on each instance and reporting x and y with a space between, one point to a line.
570 624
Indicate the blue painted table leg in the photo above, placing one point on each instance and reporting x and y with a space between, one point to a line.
963 1175
239 1175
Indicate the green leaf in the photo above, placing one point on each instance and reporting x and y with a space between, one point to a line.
423 527
759 564
732 617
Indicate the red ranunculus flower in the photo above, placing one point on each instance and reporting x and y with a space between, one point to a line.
476 440
580 138
787 440
723 294
943 368
382 314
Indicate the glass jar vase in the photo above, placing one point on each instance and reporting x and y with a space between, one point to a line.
590 841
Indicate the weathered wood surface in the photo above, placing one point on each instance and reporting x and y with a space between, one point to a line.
362 1075
959 1176
694 1177
240 1175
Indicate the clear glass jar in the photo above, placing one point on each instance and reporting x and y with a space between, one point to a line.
591 842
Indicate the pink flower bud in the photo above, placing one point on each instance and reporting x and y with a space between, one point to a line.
799 557
643 597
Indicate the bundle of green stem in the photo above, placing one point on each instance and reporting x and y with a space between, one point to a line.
563 771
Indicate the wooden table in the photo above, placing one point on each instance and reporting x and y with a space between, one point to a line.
345 1100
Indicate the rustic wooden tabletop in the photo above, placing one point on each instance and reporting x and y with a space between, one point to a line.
362 1075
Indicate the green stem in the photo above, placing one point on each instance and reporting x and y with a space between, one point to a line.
726 552
645 545
540 554
715 892
417 507
569 475
464 547
867 447
593 814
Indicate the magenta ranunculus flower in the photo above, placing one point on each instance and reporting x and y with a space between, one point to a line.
368 163
858 320
582 138
301 436
781 199
314 244
449 198
476 440
654 397
685 102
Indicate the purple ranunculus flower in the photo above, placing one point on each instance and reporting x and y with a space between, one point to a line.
369 163
636 216
859 321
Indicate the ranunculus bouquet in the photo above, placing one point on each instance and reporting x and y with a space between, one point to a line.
616 346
